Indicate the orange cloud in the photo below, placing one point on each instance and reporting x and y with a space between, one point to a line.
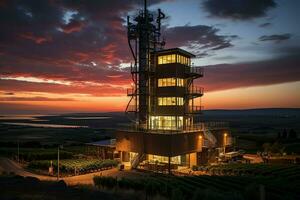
73 26
34 38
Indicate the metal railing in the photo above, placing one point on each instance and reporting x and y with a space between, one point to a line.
216 125
135 69
196 90
195 70
132 108
131 91
194 109
202 126
165 129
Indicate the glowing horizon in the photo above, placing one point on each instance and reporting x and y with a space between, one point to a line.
75 58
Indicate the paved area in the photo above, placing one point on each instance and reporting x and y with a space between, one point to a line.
253 158
7 165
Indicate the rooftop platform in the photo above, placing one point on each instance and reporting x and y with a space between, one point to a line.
176 50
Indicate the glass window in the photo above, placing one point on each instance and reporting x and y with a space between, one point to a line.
167 59
160 60
166 122
169 82
170 101
174 58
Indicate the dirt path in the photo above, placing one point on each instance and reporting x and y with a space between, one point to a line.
7 165
253 158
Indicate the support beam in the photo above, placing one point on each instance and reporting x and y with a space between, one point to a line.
169 165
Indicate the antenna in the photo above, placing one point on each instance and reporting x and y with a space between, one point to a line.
145 7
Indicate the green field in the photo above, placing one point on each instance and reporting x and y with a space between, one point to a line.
69 166
278 182
10 135
29 188
40 153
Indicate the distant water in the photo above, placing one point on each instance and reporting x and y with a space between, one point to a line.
21 117
44 125
87 118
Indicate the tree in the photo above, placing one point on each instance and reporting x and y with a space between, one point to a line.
292 134
177 194
284 134
198 195
267 147
277 148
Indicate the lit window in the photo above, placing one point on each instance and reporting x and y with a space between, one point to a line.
166 122
160 60
169 82
170 101
183 60
173 58
167 59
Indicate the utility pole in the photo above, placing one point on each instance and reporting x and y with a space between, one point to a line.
58 162
18 152
225 142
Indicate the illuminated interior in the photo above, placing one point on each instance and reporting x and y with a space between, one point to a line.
167 59
170 101
167 82
164 159
166 122
183 60
174 58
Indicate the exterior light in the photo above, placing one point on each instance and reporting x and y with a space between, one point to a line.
225 134
200 137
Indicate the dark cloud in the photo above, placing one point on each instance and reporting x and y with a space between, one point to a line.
275 38
199 39
267 24
75 88
229 76
36 40
8 93
238 9
61 39
37 98
73 26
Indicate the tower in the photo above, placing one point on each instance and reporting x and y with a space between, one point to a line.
164 101
162 96
144 40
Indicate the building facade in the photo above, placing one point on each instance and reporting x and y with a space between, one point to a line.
165 104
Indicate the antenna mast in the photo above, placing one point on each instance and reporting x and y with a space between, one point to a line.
144 40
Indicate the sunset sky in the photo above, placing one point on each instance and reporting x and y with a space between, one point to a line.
72 56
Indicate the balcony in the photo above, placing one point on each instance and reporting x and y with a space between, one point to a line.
195 92
164 129
194 72
131 92
135 69
194 109
132 108
216 125
200 126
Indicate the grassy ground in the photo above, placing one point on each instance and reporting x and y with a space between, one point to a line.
16 187
10 134
237 182
72 166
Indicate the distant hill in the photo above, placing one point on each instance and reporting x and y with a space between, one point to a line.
283 112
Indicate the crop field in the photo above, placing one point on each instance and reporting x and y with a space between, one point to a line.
277 182
289 172
10 134
70 165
